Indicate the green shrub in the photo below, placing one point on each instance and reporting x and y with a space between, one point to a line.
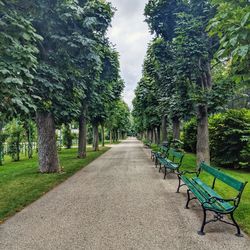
3 137
190 135
15 132
67 137
229 138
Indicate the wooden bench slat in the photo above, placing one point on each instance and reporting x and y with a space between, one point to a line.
232 182
224 205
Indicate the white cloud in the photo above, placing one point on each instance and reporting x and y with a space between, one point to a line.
130 35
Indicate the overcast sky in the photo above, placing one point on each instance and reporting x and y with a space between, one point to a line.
130 34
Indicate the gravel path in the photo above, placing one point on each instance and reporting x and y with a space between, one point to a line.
119 201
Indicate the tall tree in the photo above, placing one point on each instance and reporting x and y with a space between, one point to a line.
183 24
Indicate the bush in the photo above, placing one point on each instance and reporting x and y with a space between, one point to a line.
229 138
15 131
67 137
189 135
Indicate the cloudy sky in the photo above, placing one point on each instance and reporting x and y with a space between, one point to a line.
130 34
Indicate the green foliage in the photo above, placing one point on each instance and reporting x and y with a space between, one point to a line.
67 136
232 25
161 16
18 60
189 135
14 130
3 137
119 117
229 135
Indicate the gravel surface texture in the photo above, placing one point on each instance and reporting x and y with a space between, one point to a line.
119 201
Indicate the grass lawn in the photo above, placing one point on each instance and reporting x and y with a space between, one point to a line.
21 183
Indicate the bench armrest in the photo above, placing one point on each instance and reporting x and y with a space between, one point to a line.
213 199
187 172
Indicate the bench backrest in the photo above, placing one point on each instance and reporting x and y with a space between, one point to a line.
176 156
230 181
171 152
164 151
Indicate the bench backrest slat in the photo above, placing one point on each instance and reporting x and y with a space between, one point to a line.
178 155
238 185
171 152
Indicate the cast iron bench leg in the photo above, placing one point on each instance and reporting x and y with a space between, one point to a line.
160 168
188 200
201 232
236 225
178 189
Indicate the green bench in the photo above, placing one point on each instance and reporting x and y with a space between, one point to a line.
161 152
172 161
209 199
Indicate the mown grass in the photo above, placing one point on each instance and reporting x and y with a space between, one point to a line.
21 183
242 214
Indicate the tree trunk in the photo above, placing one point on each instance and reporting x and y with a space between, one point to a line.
95 137
158 138
176 128
29 137
47 151
103 135
110 136
18 147
202 147
154 135
164 129
1 143
82 138
151 135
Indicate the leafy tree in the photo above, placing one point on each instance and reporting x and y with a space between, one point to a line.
107 91
232 25
98 19
119 120
183 25
18 60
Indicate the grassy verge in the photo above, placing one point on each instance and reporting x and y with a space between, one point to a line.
242 214
21 183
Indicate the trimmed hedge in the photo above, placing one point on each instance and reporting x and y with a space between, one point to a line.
229 138
189 135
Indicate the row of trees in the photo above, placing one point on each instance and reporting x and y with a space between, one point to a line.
58 66
198 58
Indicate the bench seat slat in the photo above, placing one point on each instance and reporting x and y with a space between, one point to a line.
204 192
169 164
225 205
